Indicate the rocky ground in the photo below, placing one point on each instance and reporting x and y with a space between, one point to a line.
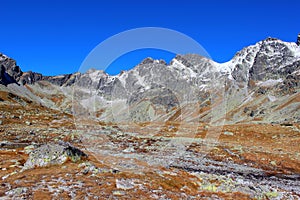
44 155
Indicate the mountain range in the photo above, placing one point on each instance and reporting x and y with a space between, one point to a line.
259 84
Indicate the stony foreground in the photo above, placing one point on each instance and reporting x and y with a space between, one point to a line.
248 161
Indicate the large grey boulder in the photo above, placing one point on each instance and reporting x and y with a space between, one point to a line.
53 154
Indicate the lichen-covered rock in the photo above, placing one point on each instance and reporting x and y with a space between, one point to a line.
53 154
16 192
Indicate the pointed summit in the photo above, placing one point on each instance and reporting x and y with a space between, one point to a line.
298 40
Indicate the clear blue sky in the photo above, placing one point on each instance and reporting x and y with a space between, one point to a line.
53 37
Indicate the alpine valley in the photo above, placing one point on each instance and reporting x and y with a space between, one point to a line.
188 129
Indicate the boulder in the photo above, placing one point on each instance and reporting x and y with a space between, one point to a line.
53 154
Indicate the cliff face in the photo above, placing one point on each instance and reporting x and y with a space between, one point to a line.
9 71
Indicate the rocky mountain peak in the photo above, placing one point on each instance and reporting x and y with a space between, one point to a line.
298 40
190 60
150 60
10 66
274 58
268 59
9 71
270 39
147 61
257 62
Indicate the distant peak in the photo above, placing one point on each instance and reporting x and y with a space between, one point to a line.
91 70
150 60
268 39
189 56
190 59
298 40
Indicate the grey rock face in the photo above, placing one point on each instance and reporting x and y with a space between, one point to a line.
159 97
30 77
298 40
5 78
240 73
190 60
58 80
9 71
272 56
61 80
10 67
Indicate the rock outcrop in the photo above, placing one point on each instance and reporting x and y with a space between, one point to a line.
53 154
9 71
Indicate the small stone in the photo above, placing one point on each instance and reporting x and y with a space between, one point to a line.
85 171
118 193
1 122
81 165
128 150
28 123
8 175
124 184
272 195
273 162
228 133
